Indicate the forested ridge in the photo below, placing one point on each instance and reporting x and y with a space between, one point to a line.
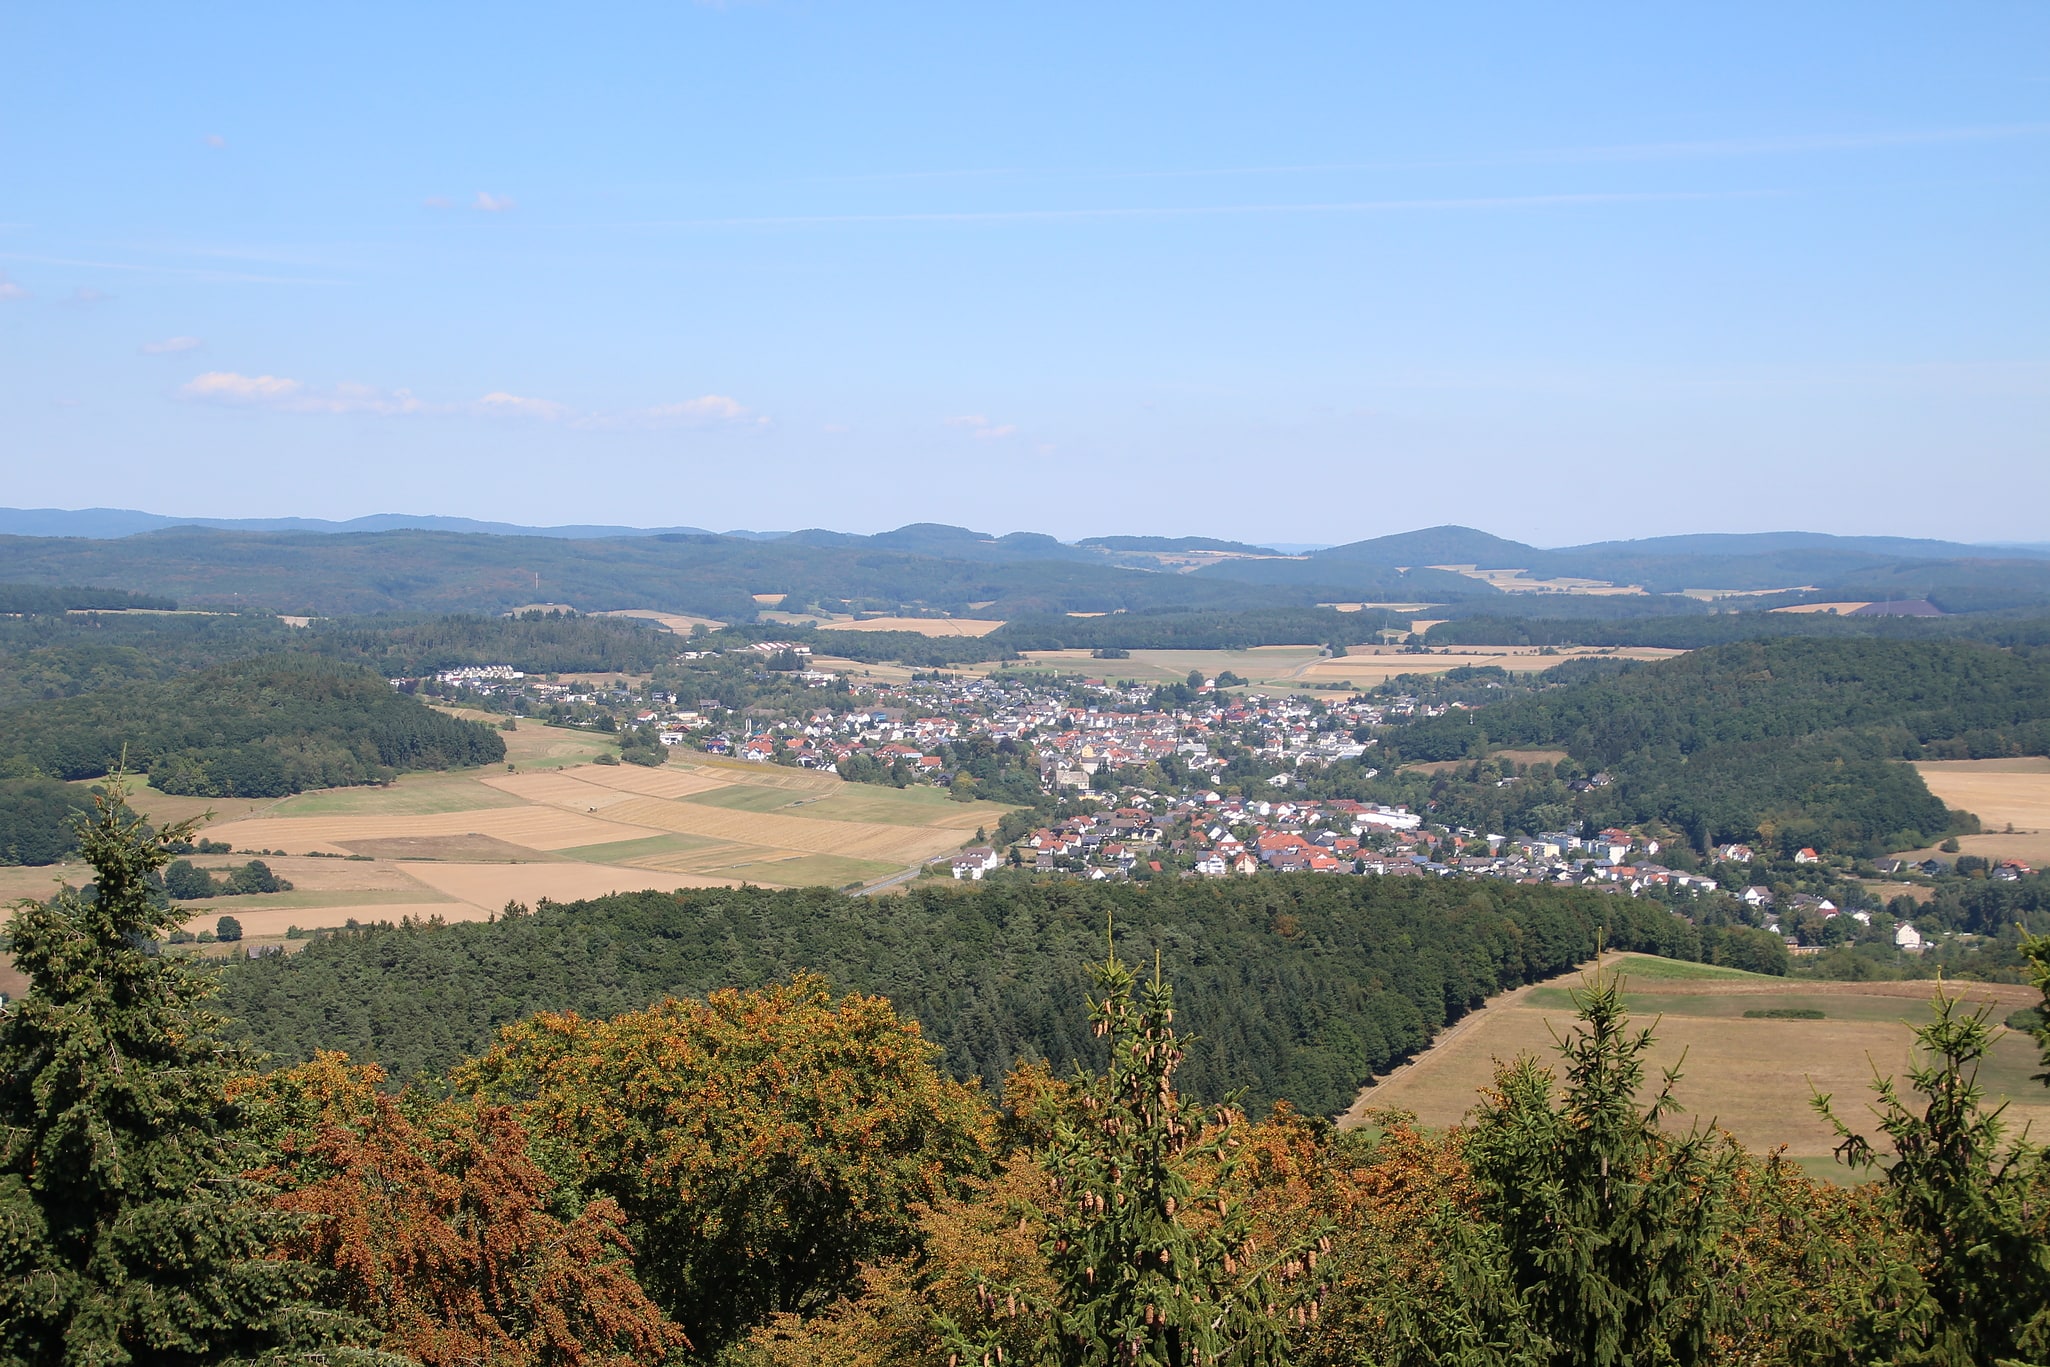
1298 986
62 656
261 727
1797 738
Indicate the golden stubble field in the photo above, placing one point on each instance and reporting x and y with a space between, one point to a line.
551 824
1754 1077
1298 668
2011 798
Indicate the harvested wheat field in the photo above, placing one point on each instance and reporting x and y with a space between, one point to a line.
465 843
924 626
1753 1076
2011 798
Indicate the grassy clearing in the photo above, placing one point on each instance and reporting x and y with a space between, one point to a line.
745 797
1651 968
636 851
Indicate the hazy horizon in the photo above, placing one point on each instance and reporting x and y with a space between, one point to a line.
1309 277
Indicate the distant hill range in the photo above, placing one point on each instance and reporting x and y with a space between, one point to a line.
104 523
398 562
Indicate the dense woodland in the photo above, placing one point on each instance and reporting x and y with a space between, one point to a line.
1782 741
63 656
1299 987
262 727
38 599
784 1175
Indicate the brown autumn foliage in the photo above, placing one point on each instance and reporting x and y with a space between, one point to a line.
764 1145
987 1237
437 1225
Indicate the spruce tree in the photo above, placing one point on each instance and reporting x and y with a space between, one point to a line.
1606 1223
127 1232
1976 1203
1156 1261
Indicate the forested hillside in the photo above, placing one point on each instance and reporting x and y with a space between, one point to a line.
262 727
30 599
62 656
1794 742
1299 987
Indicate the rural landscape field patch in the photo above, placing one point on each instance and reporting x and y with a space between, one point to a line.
460 845
1754 1076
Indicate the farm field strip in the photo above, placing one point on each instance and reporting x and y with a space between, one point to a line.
489 887
1752 1076
540 828
1997 791
860 839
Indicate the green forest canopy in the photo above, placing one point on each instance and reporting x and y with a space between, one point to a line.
263 727
1298 986
1798 736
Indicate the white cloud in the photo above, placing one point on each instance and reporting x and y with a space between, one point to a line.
707 410
438 202
86 294
171 346
489 203
504 405
225 386
214 140
280 394
982 429
10 290
284 395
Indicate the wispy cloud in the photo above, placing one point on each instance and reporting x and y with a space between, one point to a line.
982 429
214 140
1359 206
284 395
486 202
171 346
709 410
180 272
86 294
10 290
281 394
437 202
500 404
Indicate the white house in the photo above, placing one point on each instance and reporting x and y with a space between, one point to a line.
1908 938
972 864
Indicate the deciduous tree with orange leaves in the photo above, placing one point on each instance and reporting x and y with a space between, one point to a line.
439 1228
763 1144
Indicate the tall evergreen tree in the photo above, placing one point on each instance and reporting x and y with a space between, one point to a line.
1157 1264
1607 1223
1976 1203
127 1232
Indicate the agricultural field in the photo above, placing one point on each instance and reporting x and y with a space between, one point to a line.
1301 667
1750 1074
2011 798
551 824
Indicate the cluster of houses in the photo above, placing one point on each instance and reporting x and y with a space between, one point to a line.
1185 827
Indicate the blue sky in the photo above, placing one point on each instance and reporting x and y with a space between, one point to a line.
1304 273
